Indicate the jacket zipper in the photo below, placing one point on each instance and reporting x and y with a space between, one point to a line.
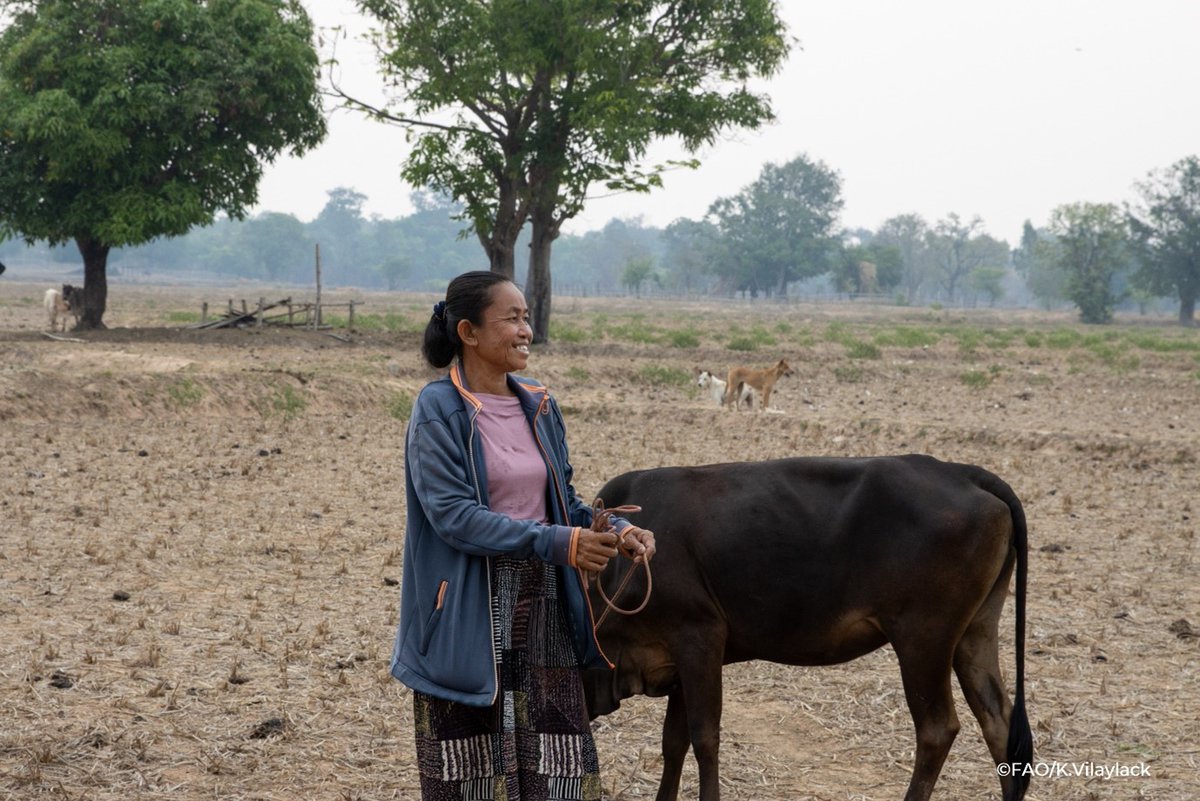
491 615
562 501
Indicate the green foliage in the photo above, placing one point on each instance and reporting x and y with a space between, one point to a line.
126 121
849 373
286 402
839 332
742 343
757 337
400 405
577 373
1115 356
186 393
660 376
1163 344
976 379
1090 247
863 350
1166 231
517 108
908 337
635 329
957 249
182 317
683 338
1063 338
779 229
565 332
637 272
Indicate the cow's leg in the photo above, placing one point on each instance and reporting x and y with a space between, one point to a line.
925 669
674 746
701 684
977 664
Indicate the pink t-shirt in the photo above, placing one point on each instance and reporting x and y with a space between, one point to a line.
516 472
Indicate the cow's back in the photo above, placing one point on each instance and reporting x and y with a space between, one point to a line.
830 547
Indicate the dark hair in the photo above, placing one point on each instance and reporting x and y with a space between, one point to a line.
466 298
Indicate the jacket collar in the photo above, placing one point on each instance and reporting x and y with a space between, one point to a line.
531 395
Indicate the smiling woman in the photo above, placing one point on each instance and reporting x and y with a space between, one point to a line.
494 619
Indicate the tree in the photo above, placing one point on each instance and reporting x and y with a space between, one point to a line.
908 233
518 108
339 229
126 121
1046 283
1090 246
688 245
959 248
781 228
277 247
636 273
1165 227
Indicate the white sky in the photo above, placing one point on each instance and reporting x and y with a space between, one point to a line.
1001 108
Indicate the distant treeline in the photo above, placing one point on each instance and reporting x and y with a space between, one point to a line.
906 260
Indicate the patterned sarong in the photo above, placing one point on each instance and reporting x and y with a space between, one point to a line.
534 743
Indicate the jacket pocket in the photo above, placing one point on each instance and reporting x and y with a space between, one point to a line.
434 617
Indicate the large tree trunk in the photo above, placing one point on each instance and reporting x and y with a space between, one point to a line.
1187 310
500 242
95 283
537 283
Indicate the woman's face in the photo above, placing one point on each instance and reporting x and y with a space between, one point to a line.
503 336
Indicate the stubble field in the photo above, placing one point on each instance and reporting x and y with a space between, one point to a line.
201 532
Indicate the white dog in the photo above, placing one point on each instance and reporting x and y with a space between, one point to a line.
716 389
56 309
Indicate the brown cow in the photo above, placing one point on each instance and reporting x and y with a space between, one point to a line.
817 561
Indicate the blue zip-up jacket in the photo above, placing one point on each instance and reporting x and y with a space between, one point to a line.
444 645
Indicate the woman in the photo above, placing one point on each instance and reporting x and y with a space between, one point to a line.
494 618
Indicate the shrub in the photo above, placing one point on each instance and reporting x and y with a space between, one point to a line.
659 376
683 338
400 405
976 379
186 393
863 350
742 343
848 374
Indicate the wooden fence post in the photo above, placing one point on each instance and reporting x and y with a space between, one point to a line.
204 312
350 322
317 322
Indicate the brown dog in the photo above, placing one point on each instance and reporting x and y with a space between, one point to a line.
762 380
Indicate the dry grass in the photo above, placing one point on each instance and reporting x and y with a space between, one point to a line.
256 541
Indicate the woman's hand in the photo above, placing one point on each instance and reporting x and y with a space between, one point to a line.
595 548
637 544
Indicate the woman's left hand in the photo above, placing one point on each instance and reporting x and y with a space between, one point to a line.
637 544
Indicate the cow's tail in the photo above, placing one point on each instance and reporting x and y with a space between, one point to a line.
1019 755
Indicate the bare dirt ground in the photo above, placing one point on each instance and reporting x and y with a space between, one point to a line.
200 536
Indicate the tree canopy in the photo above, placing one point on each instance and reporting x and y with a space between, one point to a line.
1090 245
1165 225
125 121
518 108
780 228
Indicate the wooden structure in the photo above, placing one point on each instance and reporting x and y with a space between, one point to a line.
284 312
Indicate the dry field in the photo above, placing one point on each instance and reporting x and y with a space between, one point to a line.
200 536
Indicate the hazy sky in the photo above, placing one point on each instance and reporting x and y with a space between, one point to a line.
1000 109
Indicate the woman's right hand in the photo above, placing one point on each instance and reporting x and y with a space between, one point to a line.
595 548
